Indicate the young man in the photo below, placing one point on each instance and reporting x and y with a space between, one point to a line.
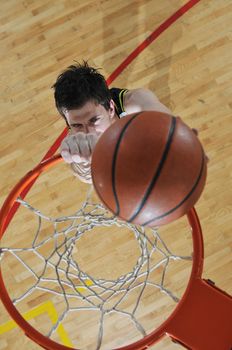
89 107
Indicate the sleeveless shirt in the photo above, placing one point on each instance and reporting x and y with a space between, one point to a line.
117 96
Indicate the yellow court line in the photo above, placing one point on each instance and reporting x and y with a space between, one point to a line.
49 308
46 307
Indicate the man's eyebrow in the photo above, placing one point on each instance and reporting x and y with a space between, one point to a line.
95 116
74 123
77 122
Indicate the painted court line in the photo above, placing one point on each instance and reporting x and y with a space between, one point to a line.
49 308
45 308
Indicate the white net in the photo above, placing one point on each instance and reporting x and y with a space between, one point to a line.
98 312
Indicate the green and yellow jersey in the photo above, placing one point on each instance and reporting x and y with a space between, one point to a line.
118 98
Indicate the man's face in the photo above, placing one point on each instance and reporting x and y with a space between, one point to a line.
91 118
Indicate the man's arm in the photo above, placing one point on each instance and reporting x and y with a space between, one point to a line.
145 100
138 100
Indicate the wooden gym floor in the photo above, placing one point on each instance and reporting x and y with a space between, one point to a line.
188 67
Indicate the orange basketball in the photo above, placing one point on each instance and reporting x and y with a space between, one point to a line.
149 168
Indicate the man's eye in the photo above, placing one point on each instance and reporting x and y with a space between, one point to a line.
94 120
78 126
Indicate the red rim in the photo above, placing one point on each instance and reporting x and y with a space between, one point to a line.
197 267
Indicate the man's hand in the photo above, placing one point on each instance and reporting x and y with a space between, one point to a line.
78 148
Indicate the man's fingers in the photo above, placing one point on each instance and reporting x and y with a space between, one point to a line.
69 150
85 150
66 156
92 140
65 152
78 147
74 149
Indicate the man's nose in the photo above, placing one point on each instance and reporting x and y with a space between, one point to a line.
86 129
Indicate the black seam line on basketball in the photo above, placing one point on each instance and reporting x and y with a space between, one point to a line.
158 171
187 196
115 160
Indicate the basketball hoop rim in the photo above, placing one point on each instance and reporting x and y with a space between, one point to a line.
196 272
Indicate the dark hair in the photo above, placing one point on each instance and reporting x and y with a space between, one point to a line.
79 84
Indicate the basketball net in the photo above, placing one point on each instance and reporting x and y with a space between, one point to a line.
93 310
74 285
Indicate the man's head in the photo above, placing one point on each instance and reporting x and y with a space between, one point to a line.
82 97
